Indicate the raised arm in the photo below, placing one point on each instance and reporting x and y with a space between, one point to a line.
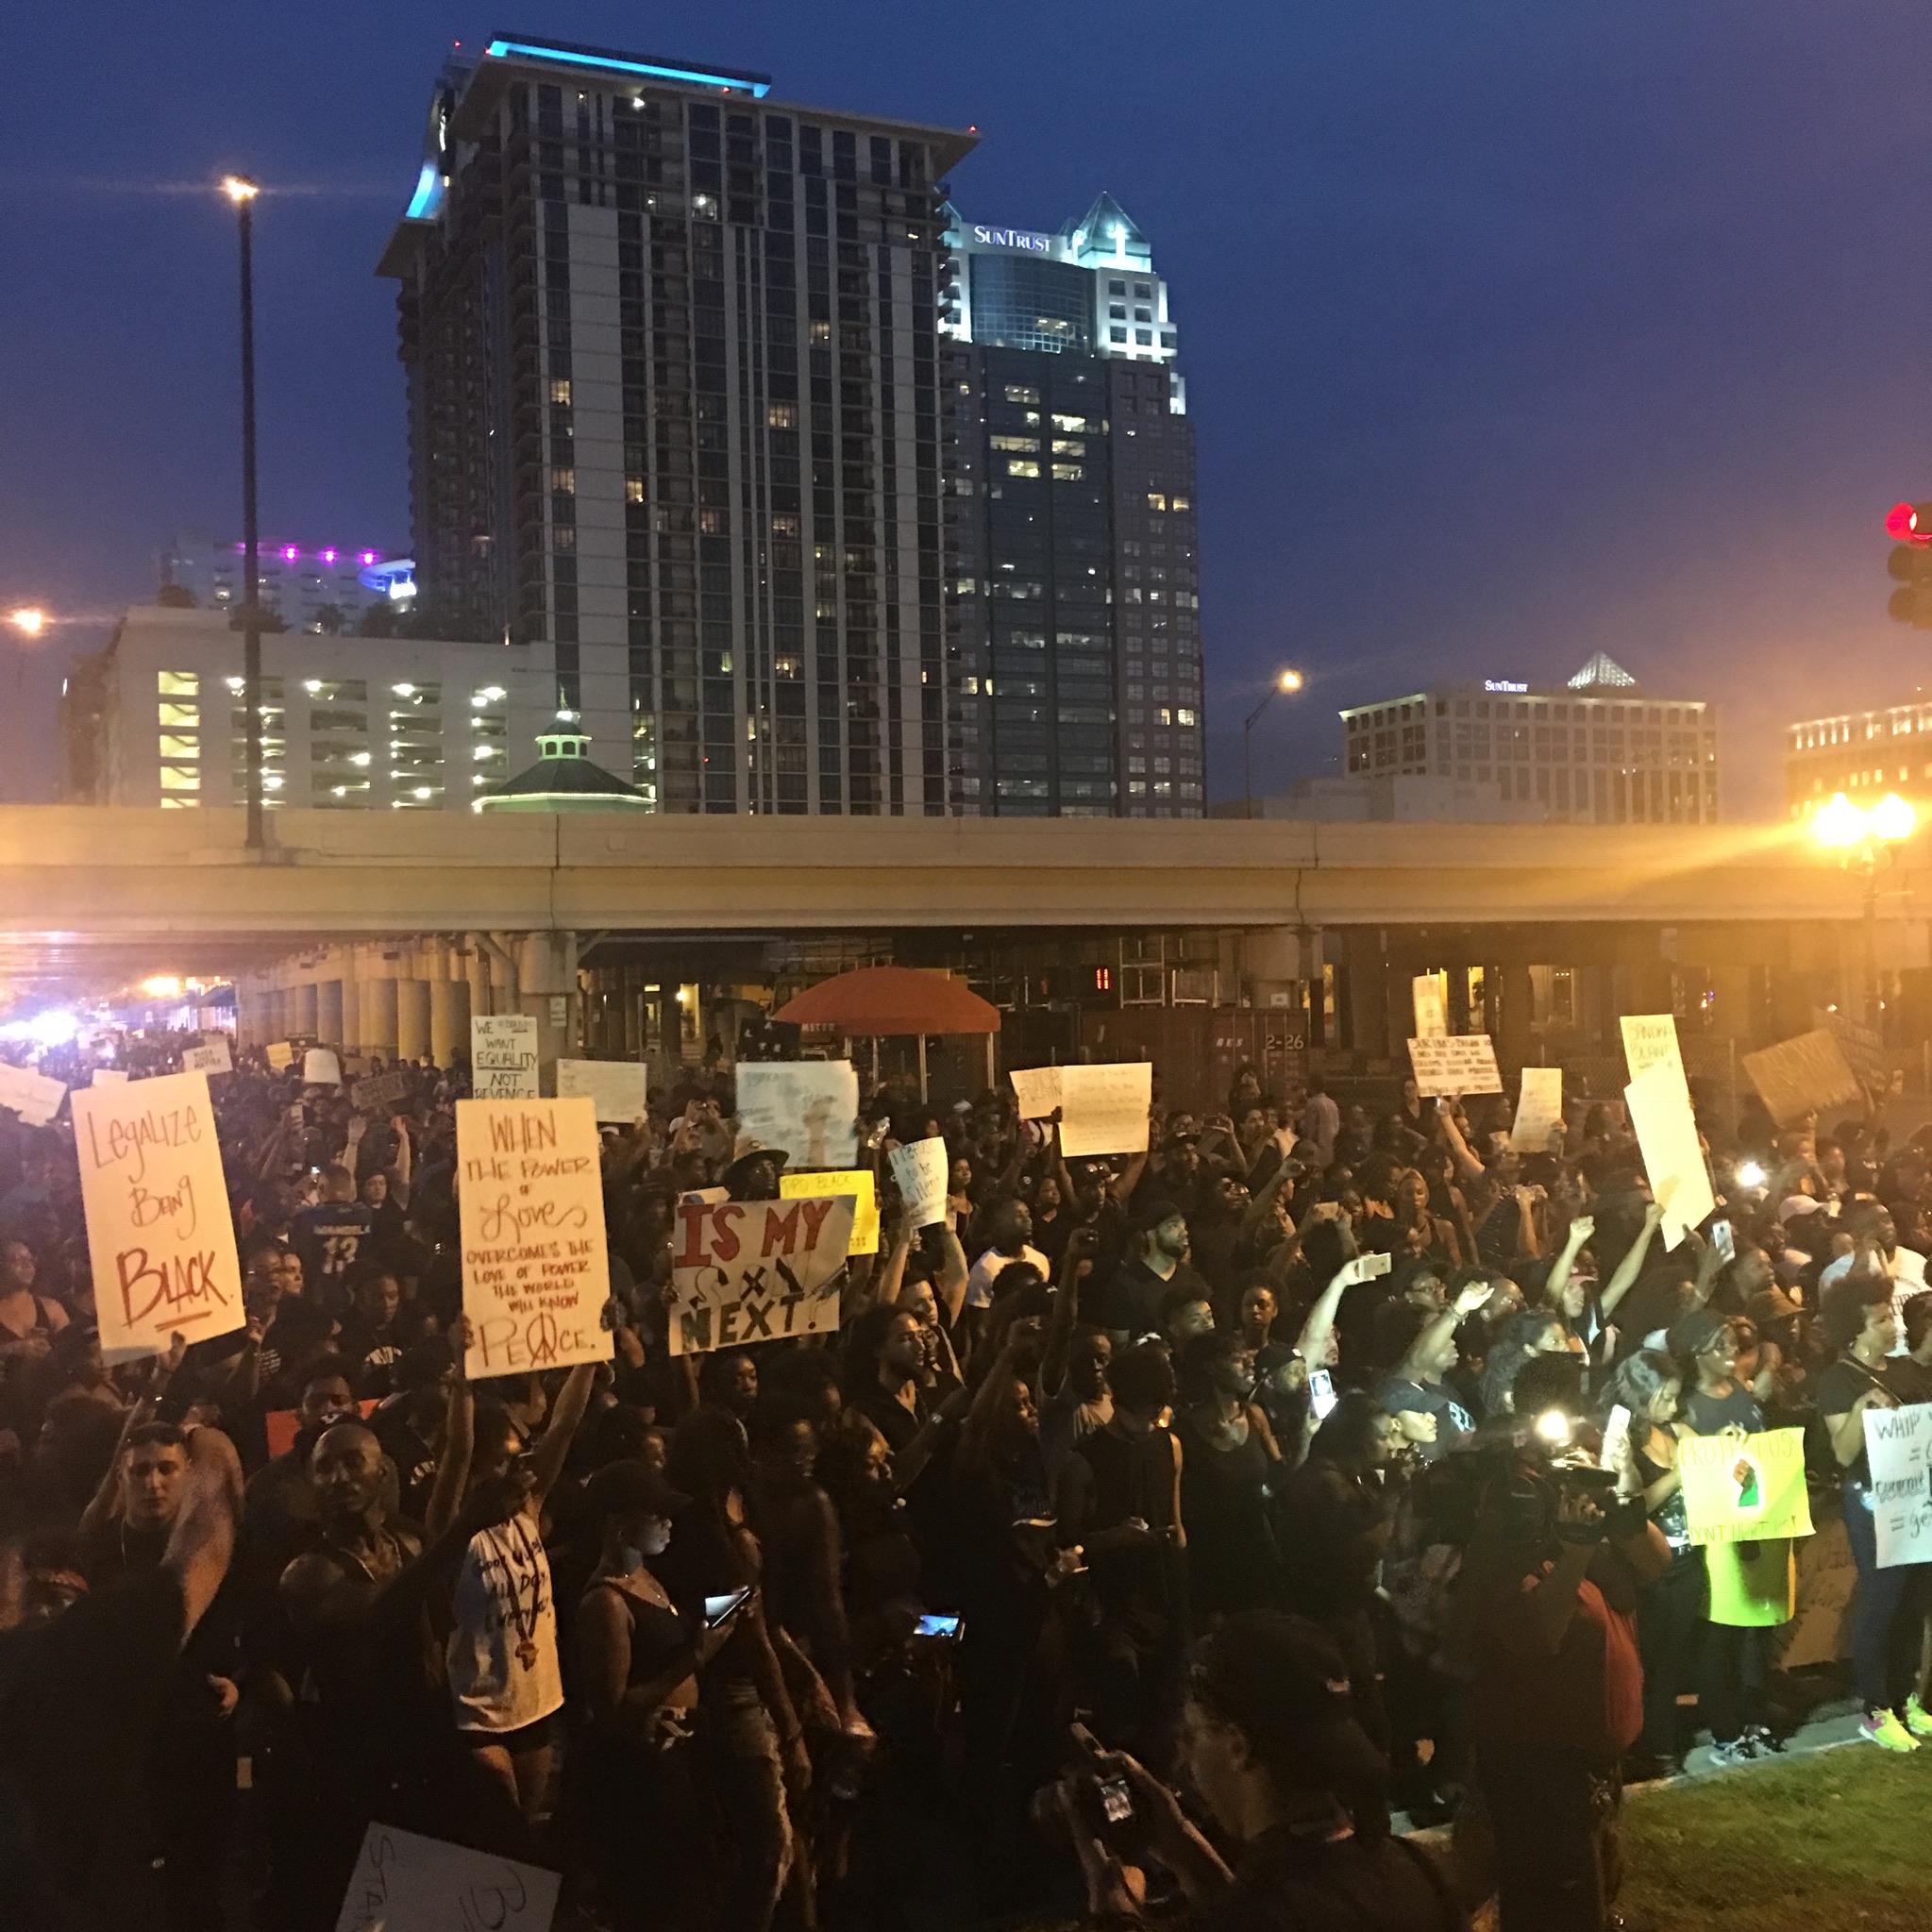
459 1440
1581 1228
1623 1277
546 1460
953 1271
1081 1245
1435 1333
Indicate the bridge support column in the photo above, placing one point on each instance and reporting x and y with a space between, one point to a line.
349 1003
302 1008
449 1019
412 1018
379 1011
328 1012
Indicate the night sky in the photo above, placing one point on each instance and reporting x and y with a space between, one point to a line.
1512 332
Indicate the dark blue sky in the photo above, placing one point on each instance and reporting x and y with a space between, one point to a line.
1512 332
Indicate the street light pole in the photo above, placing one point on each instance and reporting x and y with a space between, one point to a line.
1286 681
242 193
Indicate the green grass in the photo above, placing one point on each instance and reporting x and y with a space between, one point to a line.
1827 1843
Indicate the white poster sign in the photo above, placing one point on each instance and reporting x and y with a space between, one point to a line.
1431 1005
158 1229
211 1056
32 1096
503 1055
403 1882
536 1272
1036 1089
922 1168
613 1087
1455 1063
1666 1129
1538 1110
116 1076
1104 1109
282 1055
1895 1442
1649 1037
756 1271
810 1108
320 1068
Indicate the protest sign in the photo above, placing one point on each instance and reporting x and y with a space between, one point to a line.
921 1168
32 1096
1819 1631
537 1272
1452 1064
279 1427
503 1055
281 1056
159 1230
1104 1109
211 1056
111 1076
1538 1110
810 1108
854 1181
1744 1489
1649 1037
756 1271
1801 1076
1895 1442
613 1087
403 1883
1865 1053
320 1068
1037 1091
1666 1129
1432 1006
380 1092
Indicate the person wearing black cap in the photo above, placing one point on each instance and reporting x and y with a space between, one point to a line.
1130 1305
1269 1741
753 1176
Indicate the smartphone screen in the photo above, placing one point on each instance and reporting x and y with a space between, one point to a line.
934 1625
717 1608
1321 1395
1116 1802
1723 1241
1616 1438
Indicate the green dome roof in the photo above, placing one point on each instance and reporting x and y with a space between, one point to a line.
563 780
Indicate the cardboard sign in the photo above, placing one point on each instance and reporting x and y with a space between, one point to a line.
810 1108
320 1068
1036 1089
1865 1053
1104 1109
503 1055
1432 1006
922 1168
1454 1064
380 1093
855 1183
1649 1037
159 1230
111 1076
1538 1110
1745 1489
1819 1631
1895 1442
756 1272
281 1056
1801 1076
211 1056
403 1882
1666 1129
536 1272
32 1096
613 1087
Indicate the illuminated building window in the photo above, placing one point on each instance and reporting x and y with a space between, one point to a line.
1015 467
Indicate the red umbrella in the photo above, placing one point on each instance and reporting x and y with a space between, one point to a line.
891 1000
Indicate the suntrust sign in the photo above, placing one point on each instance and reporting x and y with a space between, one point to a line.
1014 238
1502 684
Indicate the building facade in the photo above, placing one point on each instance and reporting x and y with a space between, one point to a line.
1864 754
672 359
1599 749
1072 554
348 723
310 587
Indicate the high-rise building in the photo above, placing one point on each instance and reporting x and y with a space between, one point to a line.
1865 754
674 395
1073 589
1599 749
310 587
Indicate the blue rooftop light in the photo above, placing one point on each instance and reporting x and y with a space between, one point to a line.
429 195
620 63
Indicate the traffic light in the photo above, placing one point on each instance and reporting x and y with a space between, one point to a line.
1910 525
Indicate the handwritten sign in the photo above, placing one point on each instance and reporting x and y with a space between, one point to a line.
281 1056
1538 1110
403 1883
613 1087
110 1076
1431 1005
1895 1442
1801 1076
1666 1129
1745 1489
1454 1064
1104 1109
380 1092
32 1096
855 1182
158 1229
1649 1037
922 1168
211 1056
810 1108
756 1272
1036 1090
536 1272
503 1055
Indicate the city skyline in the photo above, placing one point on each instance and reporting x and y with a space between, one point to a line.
1662 314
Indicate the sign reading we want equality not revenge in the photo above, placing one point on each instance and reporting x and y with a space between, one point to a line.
536 1270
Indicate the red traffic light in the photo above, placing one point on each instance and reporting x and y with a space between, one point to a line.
1907 523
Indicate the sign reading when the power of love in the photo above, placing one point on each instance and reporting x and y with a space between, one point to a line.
536 1272
158 1225
755 1270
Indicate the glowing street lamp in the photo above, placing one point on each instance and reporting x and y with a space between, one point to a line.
1861 835
242 193
30 621
1286 683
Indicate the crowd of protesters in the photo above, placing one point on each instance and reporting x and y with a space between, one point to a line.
1226 1467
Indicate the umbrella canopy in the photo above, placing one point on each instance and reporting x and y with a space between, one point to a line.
891 1000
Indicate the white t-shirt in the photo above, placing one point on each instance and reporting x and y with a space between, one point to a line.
989 1267
503 1668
